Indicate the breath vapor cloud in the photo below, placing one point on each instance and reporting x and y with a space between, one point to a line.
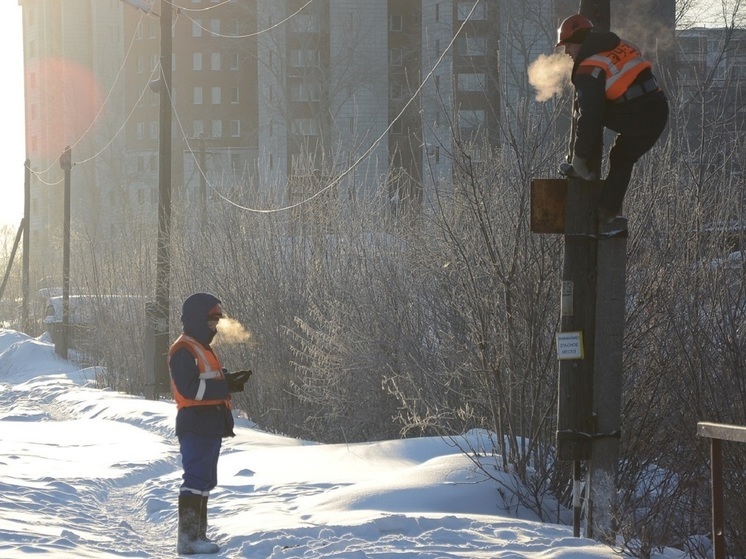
231 332
549 75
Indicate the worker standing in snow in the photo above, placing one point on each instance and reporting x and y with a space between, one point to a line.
202 389
615 89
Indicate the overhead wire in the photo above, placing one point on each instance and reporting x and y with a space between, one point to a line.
99 112
249 35
179 9
375 143
205 9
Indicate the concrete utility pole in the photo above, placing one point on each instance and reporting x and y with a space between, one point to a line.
26 245
163 257
601 483
590 341
66 164
202 182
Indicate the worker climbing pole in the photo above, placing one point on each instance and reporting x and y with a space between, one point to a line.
615 89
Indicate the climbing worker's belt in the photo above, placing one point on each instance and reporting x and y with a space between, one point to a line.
638 90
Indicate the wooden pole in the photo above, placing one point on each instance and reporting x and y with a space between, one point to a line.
718 506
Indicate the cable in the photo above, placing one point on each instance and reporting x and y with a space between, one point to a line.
374 145
206 9
255 34
100 109
126 120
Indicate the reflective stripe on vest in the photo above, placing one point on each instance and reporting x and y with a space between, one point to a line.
209 367
621 65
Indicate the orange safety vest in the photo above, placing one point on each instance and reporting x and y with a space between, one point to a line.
621 65
209 367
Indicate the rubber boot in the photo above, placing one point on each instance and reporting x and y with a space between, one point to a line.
189 527
203 520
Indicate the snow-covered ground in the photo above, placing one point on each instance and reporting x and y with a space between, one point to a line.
94 473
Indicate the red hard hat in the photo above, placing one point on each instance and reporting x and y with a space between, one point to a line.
570 26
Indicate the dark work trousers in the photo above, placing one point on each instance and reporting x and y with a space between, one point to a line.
199 458
639 123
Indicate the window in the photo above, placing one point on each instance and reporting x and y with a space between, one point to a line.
305 23
215 27
217 128
396 90
196 27
304 92
305 127
197 61
396 22
233 60
215 60
304 58
198 128
234 95
236 162
197 96
472 118
395 57
235 128
472 46
140 130
154 130
480 12
472 82
216 96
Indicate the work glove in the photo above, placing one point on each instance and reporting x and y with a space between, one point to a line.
580 166
237 380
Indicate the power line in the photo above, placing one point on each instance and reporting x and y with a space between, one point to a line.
374 145
99 113
249 35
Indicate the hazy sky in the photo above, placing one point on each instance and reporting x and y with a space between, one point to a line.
12 139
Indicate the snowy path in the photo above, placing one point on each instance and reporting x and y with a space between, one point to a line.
87 473
106 515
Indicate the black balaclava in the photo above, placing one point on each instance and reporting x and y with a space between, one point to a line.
194 316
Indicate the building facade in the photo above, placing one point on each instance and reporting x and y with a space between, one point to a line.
273 102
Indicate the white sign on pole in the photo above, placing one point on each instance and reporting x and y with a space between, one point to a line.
570 345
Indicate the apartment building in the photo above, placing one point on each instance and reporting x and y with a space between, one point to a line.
214 101
273 100
73 97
